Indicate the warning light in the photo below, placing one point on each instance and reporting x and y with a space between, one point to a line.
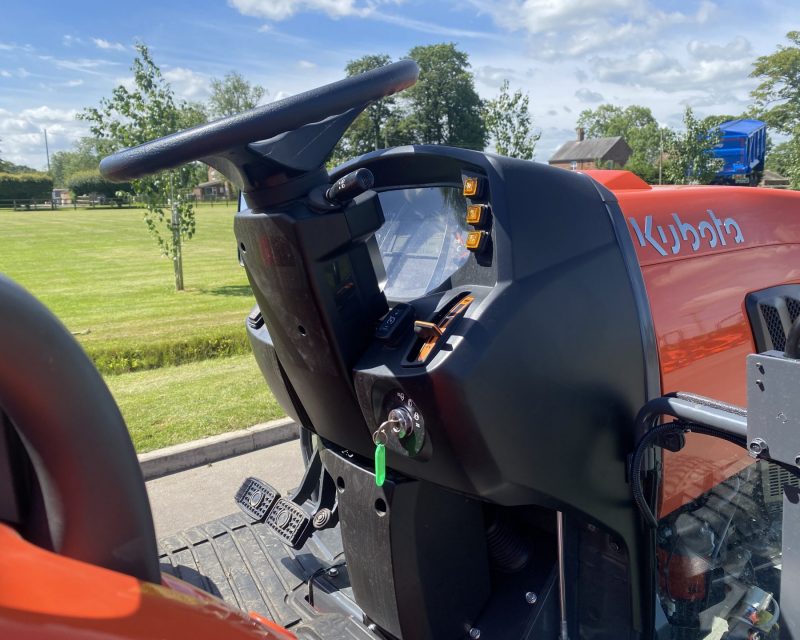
477 214
471 186
476 240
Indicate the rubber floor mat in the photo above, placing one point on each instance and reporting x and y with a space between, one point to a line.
246 565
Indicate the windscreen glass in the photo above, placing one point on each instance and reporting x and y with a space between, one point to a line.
422 240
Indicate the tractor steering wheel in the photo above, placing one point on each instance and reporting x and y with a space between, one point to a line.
260 123
77 439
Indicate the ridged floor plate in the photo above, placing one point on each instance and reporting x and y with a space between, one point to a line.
246 565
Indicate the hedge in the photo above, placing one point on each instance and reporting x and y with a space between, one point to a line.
23 186
88 182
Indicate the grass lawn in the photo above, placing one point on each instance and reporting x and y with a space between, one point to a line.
100 272
176 404
102 275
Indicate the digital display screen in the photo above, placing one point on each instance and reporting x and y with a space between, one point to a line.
422 240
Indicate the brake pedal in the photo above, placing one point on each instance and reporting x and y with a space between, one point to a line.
256 498
290 522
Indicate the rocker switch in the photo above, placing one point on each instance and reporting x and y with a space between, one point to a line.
395 323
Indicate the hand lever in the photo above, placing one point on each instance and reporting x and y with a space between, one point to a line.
348 187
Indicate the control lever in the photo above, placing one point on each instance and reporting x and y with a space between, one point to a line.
348 187
293 518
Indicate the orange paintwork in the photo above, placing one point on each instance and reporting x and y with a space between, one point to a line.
697 300
44 596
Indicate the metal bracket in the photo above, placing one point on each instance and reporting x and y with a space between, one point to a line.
773 407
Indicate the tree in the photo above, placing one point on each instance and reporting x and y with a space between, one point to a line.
368 131
63 164
233 95
508 122
131 117
637 126
690 159
443 106
777 98
90 182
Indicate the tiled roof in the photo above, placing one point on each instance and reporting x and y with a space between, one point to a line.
588 149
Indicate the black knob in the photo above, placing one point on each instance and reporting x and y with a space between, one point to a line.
353 184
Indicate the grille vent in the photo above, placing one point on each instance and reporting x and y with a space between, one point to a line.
776 478
771 313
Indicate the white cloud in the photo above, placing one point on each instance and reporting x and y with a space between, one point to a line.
738 47
22 133
494 76
282 9
92 66
4 73
305 64
654 69
586 95
69 40
100 43
188 84
577 27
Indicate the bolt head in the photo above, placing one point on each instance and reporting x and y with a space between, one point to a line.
332 572
474 633
756 446
531 597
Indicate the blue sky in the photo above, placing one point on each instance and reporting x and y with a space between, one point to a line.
57 57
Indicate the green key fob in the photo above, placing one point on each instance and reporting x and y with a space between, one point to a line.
380 464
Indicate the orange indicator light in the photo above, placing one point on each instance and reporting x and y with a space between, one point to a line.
471 186
476 240
476 214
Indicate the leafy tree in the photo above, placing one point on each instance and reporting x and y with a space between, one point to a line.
131 117
784 159
90 182
63 164
443 106
233 95
368 131
777 98
509 123
637 126
689 155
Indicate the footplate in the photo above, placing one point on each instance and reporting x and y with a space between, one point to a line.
256 498
290 522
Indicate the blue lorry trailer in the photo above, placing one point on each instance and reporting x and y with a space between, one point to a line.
742 146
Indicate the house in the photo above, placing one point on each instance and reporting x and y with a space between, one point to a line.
592 153
215 188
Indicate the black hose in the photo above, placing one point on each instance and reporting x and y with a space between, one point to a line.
646 441
793 341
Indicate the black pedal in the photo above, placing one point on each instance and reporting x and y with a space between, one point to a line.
256 498
290 522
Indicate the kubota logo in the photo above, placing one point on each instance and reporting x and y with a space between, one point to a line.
713 232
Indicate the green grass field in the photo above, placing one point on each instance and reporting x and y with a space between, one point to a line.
101 273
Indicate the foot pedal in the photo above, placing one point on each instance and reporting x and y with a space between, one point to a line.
290 522
256 498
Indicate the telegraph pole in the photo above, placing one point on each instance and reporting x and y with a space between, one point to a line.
47 150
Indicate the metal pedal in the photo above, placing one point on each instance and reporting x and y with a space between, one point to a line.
256 498
290 522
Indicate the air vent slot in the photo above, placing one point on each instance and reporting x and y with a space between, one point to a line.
771 313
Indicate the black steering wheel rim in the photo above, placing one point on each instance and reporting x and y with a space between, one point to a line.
260 123
65 413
